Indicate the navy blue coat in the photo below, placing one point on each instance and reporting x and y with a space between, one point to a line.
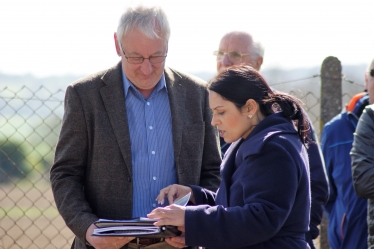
264 197
346 212
319 186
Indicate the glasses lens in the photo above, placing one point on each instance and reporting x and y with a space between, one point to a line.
219 54
135 60
372 72
156 59
235 56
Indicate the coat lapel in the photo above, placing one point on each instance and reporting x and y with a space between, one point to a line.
227 170
114 102
177 96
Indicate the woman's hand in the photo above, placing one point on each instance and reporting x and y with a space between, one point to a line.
171 215
173 193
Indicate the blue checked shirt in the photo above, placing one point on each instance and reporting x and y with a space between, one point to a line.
152 151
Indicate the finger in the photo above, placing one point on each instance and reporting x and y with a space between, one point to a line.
172 194
155 212
162 195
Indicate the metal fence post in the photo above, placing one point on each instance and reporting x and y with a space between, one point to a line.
331 105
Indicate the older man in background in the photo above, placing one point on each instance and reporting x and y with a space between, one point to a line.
239 47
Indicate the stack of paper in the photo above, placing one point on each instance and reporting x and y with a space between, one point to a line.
141 227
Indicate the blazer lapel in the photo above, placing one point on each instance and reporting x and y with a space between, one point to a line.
114 102
177 96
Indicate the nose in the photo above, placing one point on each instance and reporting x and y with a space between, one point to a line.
226 61
214 121
146 67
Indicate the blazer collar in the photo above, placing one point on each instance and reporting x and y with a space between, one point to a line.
177 100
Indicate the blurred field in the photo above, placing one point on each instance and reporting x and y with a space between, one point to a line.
29 218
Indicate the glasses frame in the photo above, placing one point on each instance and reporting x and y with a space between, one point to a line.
140 57
215 53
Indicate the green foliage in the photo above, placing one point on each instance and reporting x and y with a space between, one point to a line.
12 161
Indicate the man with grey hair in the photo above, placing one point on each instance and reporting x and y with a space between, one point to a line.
128 132
239 47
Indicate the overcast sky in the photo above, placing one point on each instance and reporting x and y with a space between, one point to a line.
45 37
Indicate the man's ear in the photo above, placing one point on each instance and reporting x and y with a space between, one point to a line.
366 80
258 63
118 49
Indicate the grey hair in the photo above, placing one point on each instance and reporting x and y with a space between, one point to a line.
150 20
256 49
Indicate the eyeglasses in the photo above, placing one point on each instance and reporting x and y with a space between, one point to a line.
139 60
233 55
371 72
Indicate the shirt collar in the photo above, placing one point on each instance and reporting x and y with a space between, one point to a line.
127 83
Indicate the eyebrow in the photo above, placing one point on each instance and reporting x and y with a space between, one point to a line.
155 53
217 107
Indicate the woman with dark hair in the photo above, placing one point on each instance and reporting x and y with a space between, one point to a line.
264 197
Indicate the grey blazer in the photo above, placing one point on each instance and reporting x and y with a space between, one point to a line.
92 171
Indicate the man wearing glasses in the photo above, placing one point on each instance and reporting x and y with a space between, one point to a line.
239 47
130 131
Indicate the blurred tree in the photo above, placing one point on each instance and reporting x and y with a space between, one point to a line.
12 161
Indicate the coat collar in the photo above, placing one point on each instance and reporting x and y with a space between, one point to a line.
273 124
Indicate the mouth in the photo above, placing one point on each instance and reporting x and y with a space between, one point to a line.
221 133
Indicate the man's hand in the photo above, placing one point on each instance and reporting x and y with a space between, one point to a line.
174 192
109 242
177 241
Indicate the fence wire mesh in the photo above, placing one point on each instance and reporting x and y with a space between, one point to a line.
30 122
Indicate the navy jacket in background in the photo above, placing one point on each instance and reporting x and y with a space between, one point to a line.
264 197
345 211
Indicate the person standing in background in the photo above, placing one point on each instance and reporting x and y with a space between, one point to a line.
129 131
346 213
238 47
362 156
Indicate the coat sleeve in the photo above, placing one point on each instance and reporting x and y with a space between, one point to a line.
329 163
202 195
68 170
318 185
362 155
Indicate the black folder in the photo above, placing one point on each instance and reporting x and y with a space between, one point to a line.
139 227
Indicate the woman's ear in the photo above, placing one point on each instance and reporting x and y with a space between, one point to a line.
250 107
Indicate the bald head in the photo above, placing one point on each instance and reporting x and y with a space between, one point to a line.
242 43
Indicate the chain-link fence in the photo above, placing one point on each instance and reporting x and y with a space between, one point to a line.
30 122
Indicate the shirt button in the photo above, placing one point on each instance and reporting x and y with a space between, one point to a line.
153 152
154 205
154 178
151 127
148 103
